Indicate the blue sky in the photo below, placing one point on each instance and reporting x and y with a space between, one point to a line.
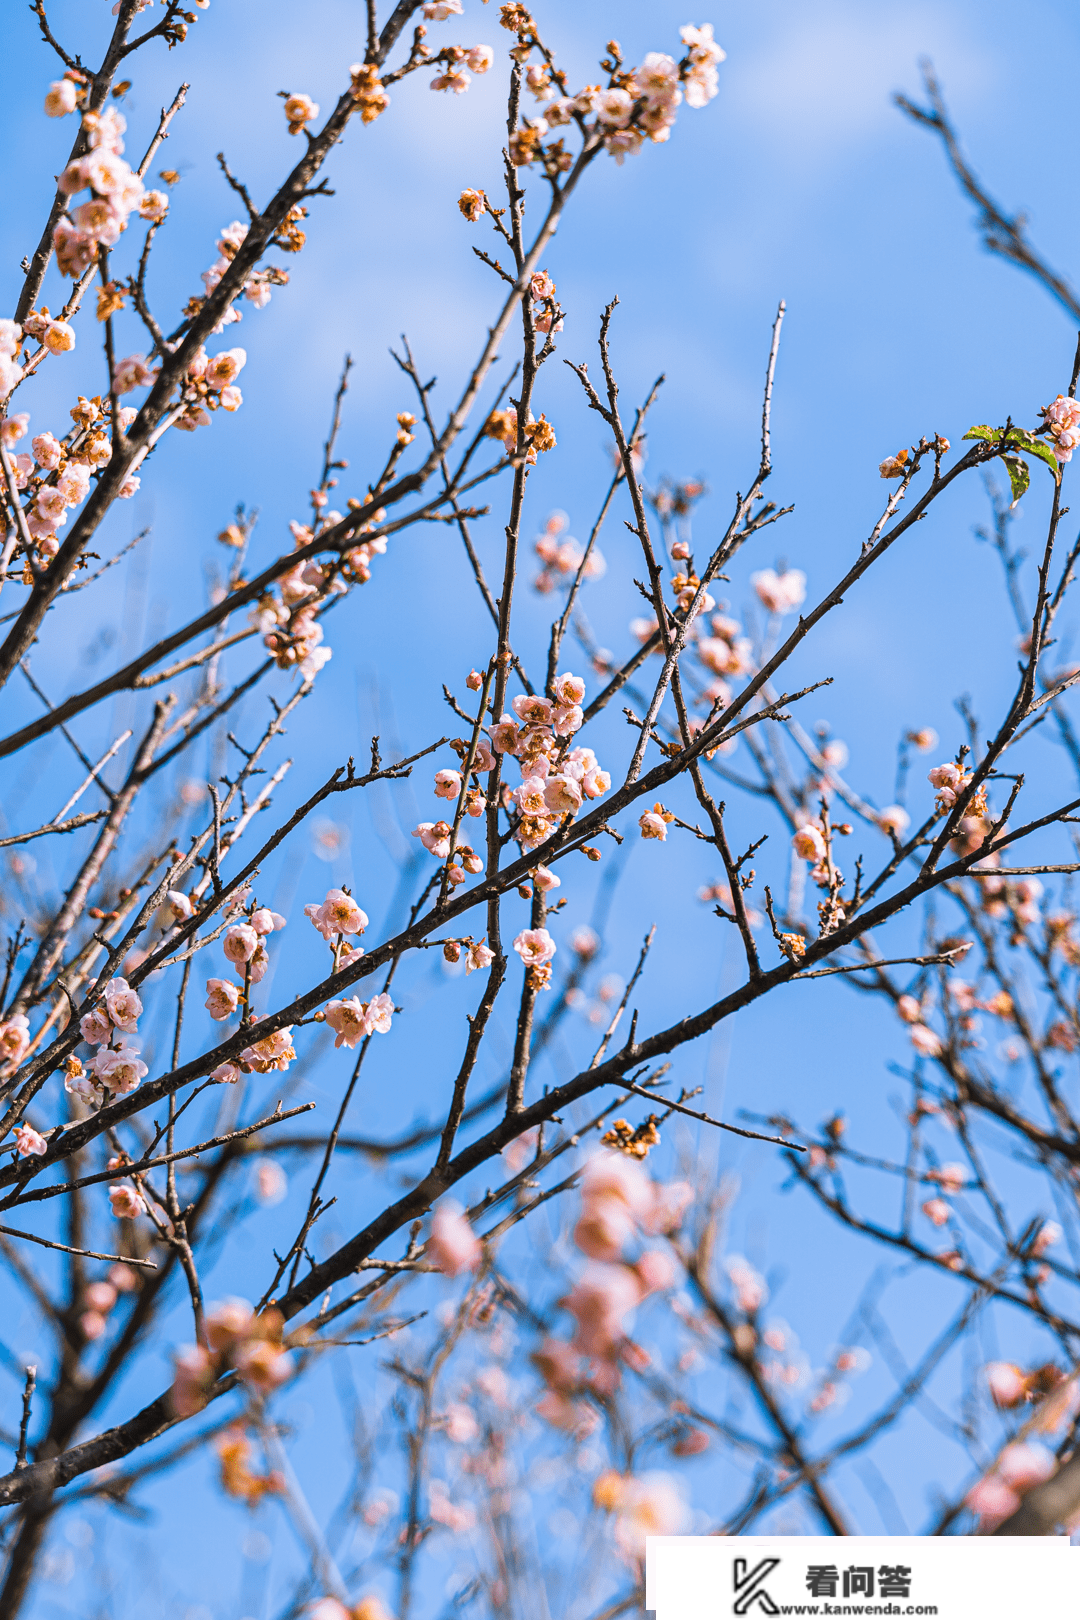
802 182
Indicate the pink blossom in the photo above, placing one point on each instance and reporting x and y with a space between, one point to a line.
1006 1383
567 719
61 99
649 1505
338 914
480 956
447 784
49 506
459 1424
600 1301
227 1321
75 251
926 1041
443 1511
453 1246
809 843
263 1366
670 1201
613 108
455 79
562 1412
225 1074
691 1443
780 593
154 205
14 1038
348 1020
192 1380
259 962
435 837
300 110
655 1271
562 795
480 58
936 1210
59 337
265 921
271 1182
532 710
118 1068
100 1296
504 737
126 1202
123 1005
603 1229
270 1052
950 1178
535 946
1048 1234
895 819
28 1141
653 825
749 1285
439 10
1026 1463
222 999
610 1177
530 796
47 451
378 1013
175 908
132 372
93 1325
569 689
240 943
909 1010
223 369
74 482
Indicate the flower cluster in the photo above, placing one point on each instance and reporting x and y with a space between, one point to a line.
636 104
116 1068
950 780
244 946
100 1297
561 558
539 436
453 1246
236 1339
457 60
57 475
209 385
1062 419
556 780
115 190
257 282
780 593
237 1478
354 1020
618 1202
14 1042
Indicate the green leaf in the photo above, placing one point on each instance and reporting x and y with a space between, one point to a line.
1036 447
1019 475
982 433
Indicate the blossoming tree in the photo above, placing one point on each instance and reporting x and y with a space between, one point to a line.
128 1163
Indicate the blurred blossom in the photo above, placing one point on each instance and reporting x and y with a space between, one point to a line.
271 1182
329 839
